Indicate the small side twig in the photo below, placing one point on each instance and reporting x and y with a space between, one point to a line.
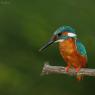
48 69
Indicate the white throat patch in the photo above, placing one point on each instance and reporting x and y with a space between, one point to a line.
72 34
60 40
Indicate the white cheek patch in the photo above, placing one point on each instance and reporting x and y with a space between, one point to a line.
60 40
71 35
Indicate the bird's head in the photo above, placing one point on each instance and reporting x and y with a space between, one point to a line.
60 35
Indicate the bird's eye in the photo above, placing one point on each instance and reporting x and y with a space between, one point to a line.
59 34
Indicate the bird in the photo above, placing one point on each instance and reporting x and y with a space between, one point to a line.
71 48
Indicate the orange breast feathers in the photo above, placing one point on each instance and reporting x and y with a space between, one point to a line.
70 54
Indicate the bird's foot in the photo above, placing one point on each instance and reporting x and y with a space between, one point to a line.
67 68
79 77
77 69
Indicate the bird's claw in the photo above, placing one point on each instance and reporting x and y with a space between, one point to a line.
67 68
77 69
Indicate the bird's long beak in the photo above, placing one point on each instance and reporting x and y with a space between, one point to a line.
51 41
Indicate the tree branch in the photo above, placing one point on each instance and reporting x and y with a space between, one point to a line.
48 69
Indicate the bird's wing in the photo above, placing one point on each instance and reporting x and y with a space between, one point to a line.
81 48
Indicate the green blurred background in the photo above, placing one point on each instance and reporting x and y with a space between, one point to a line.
25 25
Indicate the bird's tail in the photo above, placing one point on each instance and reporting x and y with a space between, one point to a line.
79 77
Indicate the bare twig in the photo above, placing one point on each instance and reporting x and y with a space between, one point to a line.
48 69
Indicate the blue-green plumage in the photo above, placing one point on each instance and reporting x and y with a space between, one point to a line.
63 29
81 48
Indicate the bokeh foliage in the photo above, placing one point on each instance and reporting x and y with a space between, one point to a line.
24 26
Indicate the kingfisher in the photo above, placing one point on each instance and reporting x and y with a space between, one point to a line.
71 48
